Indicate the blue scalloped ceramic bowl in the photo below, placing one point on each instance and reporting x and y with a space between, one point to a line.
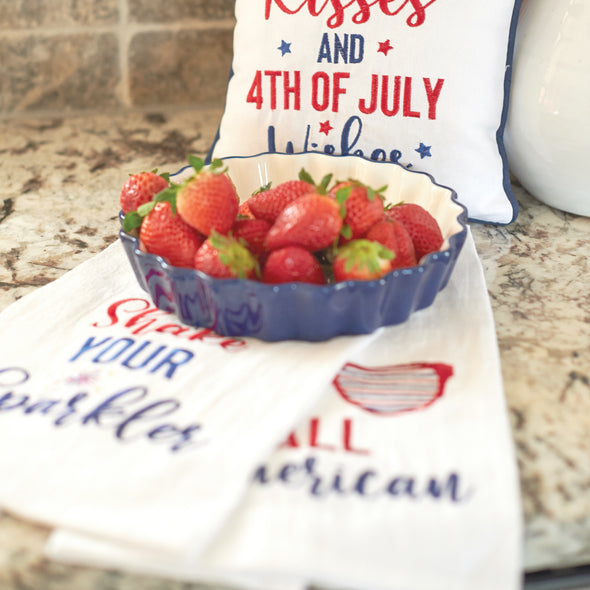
298 311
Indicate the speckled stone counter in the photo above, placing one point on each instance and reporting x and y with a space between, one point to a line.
59 205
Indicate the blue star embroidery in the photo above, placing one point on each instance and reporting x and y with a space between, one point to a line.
424 151
284 48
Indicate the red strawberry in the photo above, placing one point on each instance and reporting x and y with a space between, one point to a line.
292 264
312 221
167 235
361 207
253 232
244 210
268 202
208 200
394 236
421 225
225 257
362 260
140 189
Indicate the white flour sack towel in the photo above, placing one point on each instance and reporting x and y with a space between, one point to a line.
116 421
424 83
403 477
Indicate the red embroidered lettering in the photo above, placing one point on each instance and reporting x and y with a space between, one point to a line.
433 95
114 308
408 112
255 92
320 98
273 75
339 9
347 439
314 429
370 109
338 90
397 82
140 317
294 90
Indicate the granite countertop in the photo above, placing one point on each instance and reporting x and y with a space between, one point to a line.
59 207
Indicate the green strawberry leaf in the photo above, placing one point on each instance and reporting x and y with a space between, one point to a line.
350 261
169 195
218 241
196 162
364 254
386 253
342 194
372 193
392 205
234 254
305 176
346 232
372 264
146 209
132 221
262 189
322 188
378 192
216 167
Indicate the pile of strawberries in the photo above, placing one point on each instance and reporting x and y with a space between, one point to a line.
295 231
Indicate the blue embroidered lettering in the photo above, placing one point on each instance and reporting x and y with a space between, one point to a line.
119 413
319 484
42 406
261 476
108 408
162 408
172 362
139 355
116 349
5 400
128 361
361 482
186 437
70 408
90 344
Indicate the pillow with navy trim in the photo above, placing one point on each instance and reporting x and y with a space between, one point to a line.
422 83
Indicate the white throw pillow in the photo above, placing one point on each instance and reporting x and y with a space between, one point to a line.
423 83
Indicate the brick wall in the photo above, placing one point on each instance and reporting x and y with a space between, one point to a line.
59 56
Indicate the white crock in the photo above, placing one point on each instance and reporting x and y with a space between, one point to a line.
548 129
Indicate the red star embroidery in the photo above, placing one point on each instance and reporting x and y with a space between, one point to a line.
325 127
385 47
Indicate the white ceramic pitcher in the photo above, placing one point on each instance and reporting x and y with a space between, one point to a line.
548 129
